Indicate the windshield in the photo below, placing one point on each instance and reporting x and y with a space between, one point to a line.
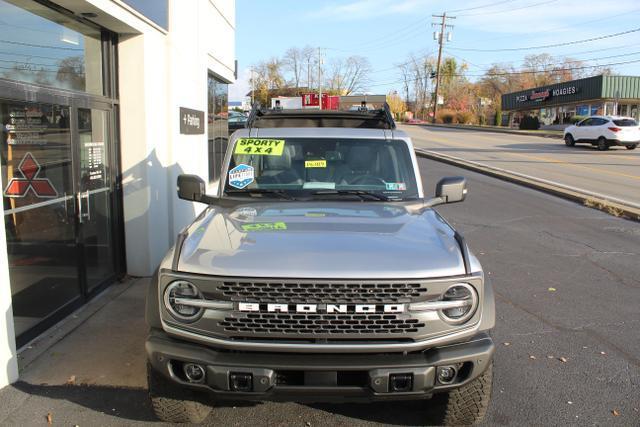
318 167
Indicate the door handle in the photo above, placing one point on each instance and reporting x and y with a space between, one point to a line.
82 213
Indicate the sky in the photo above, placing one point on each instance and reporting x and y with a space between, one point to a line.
388 31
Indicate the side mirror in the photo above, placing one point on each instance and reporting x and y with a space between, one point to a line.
449 190
192 188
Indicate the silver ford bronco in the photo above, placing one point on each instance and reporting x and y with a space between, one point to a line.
320 272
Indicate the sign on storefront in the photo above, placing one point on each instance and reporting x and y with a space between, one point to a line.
544 94
191 121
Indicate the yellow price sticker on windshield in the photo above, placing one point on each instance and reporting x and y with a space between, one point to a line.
264 226
315 164
259 146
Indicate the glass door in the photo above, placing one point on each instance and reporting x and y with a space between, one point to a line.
40 211
58 196
94 197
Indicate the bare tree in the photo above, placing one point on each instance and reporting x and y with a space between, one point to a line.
418 70
309 57
349 75
293 61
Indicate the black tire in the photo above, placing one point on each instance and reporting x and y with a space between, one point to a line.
173 404
467 405
603 145
568 140
632 146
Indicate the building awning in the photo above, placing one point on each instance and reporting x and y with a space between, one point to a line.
589 89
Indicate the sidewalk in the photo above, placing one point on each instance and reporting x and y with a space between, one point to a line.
497 129
94 375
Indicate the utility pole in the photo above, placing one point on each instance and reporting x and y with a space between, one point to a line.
443 27
320 77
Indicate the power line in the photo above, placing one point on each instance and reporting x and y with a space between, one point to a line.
555 70
573 26
567 60
28 63
509 10
29 55
513 49
39 45
407 29
481 6
23 70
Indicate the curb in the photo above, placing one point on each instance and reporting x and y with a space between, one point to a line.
612 206
484 129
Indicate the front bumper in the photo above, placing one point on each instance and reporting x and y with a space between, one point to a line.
319 377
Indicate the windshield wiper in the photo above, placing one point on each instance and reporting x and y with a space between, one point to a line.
253 191
363 194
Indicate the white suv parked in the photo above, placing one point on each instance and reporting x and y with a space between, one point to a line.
604 132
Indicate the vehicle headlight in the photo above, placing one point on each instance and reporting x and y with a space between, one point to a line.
176 298
465 297
456 305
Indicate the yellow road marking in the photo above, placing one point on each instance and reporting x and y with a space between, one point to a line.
618 156
546 159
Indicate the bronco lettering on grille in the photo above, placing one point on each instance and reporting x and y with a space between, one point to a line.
320 308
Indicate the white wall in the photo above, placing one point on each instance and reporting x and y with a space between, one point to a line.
200 38
159 72
8 359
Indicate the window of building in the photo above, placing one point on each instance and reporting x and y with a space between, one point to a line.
622 110
218 127
596 109
582 110
47 48
156 10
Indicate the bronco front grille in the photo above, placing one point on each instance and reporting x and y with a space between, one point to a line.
316 324
313 292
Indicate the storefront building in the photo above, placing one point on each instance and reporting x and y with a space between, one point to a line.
103 104
556 104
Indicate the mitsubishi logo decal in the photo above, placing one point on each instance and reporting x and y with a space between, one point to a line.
29 168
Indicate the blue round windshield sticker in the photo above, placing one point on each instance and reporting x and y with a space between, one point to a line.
241 176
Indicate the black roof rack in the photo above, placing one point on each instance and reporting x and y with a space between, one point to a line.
362 118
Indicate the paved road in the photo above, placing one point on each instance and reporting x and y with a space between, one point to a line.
614 173
529 243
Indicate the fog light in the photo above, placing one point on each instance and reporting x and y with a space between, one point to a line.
446 374
400 382
240 381
194 373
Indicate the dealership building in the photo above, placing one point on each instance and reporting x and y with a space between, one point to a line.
103 104
555 104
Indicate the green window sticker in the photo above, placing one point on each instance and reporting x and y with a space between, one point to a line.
265 226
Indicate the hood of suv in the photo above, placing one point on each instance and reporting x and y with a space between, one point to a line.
321 240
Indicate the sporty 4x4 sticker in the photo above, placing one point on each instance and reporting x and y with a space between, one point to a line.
259 146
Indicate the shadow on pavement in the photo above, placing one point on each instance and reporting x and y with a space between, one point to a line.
400 413
129 403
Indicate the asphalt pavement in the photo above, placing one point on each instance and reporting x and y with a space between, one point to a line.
614 174
567 291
